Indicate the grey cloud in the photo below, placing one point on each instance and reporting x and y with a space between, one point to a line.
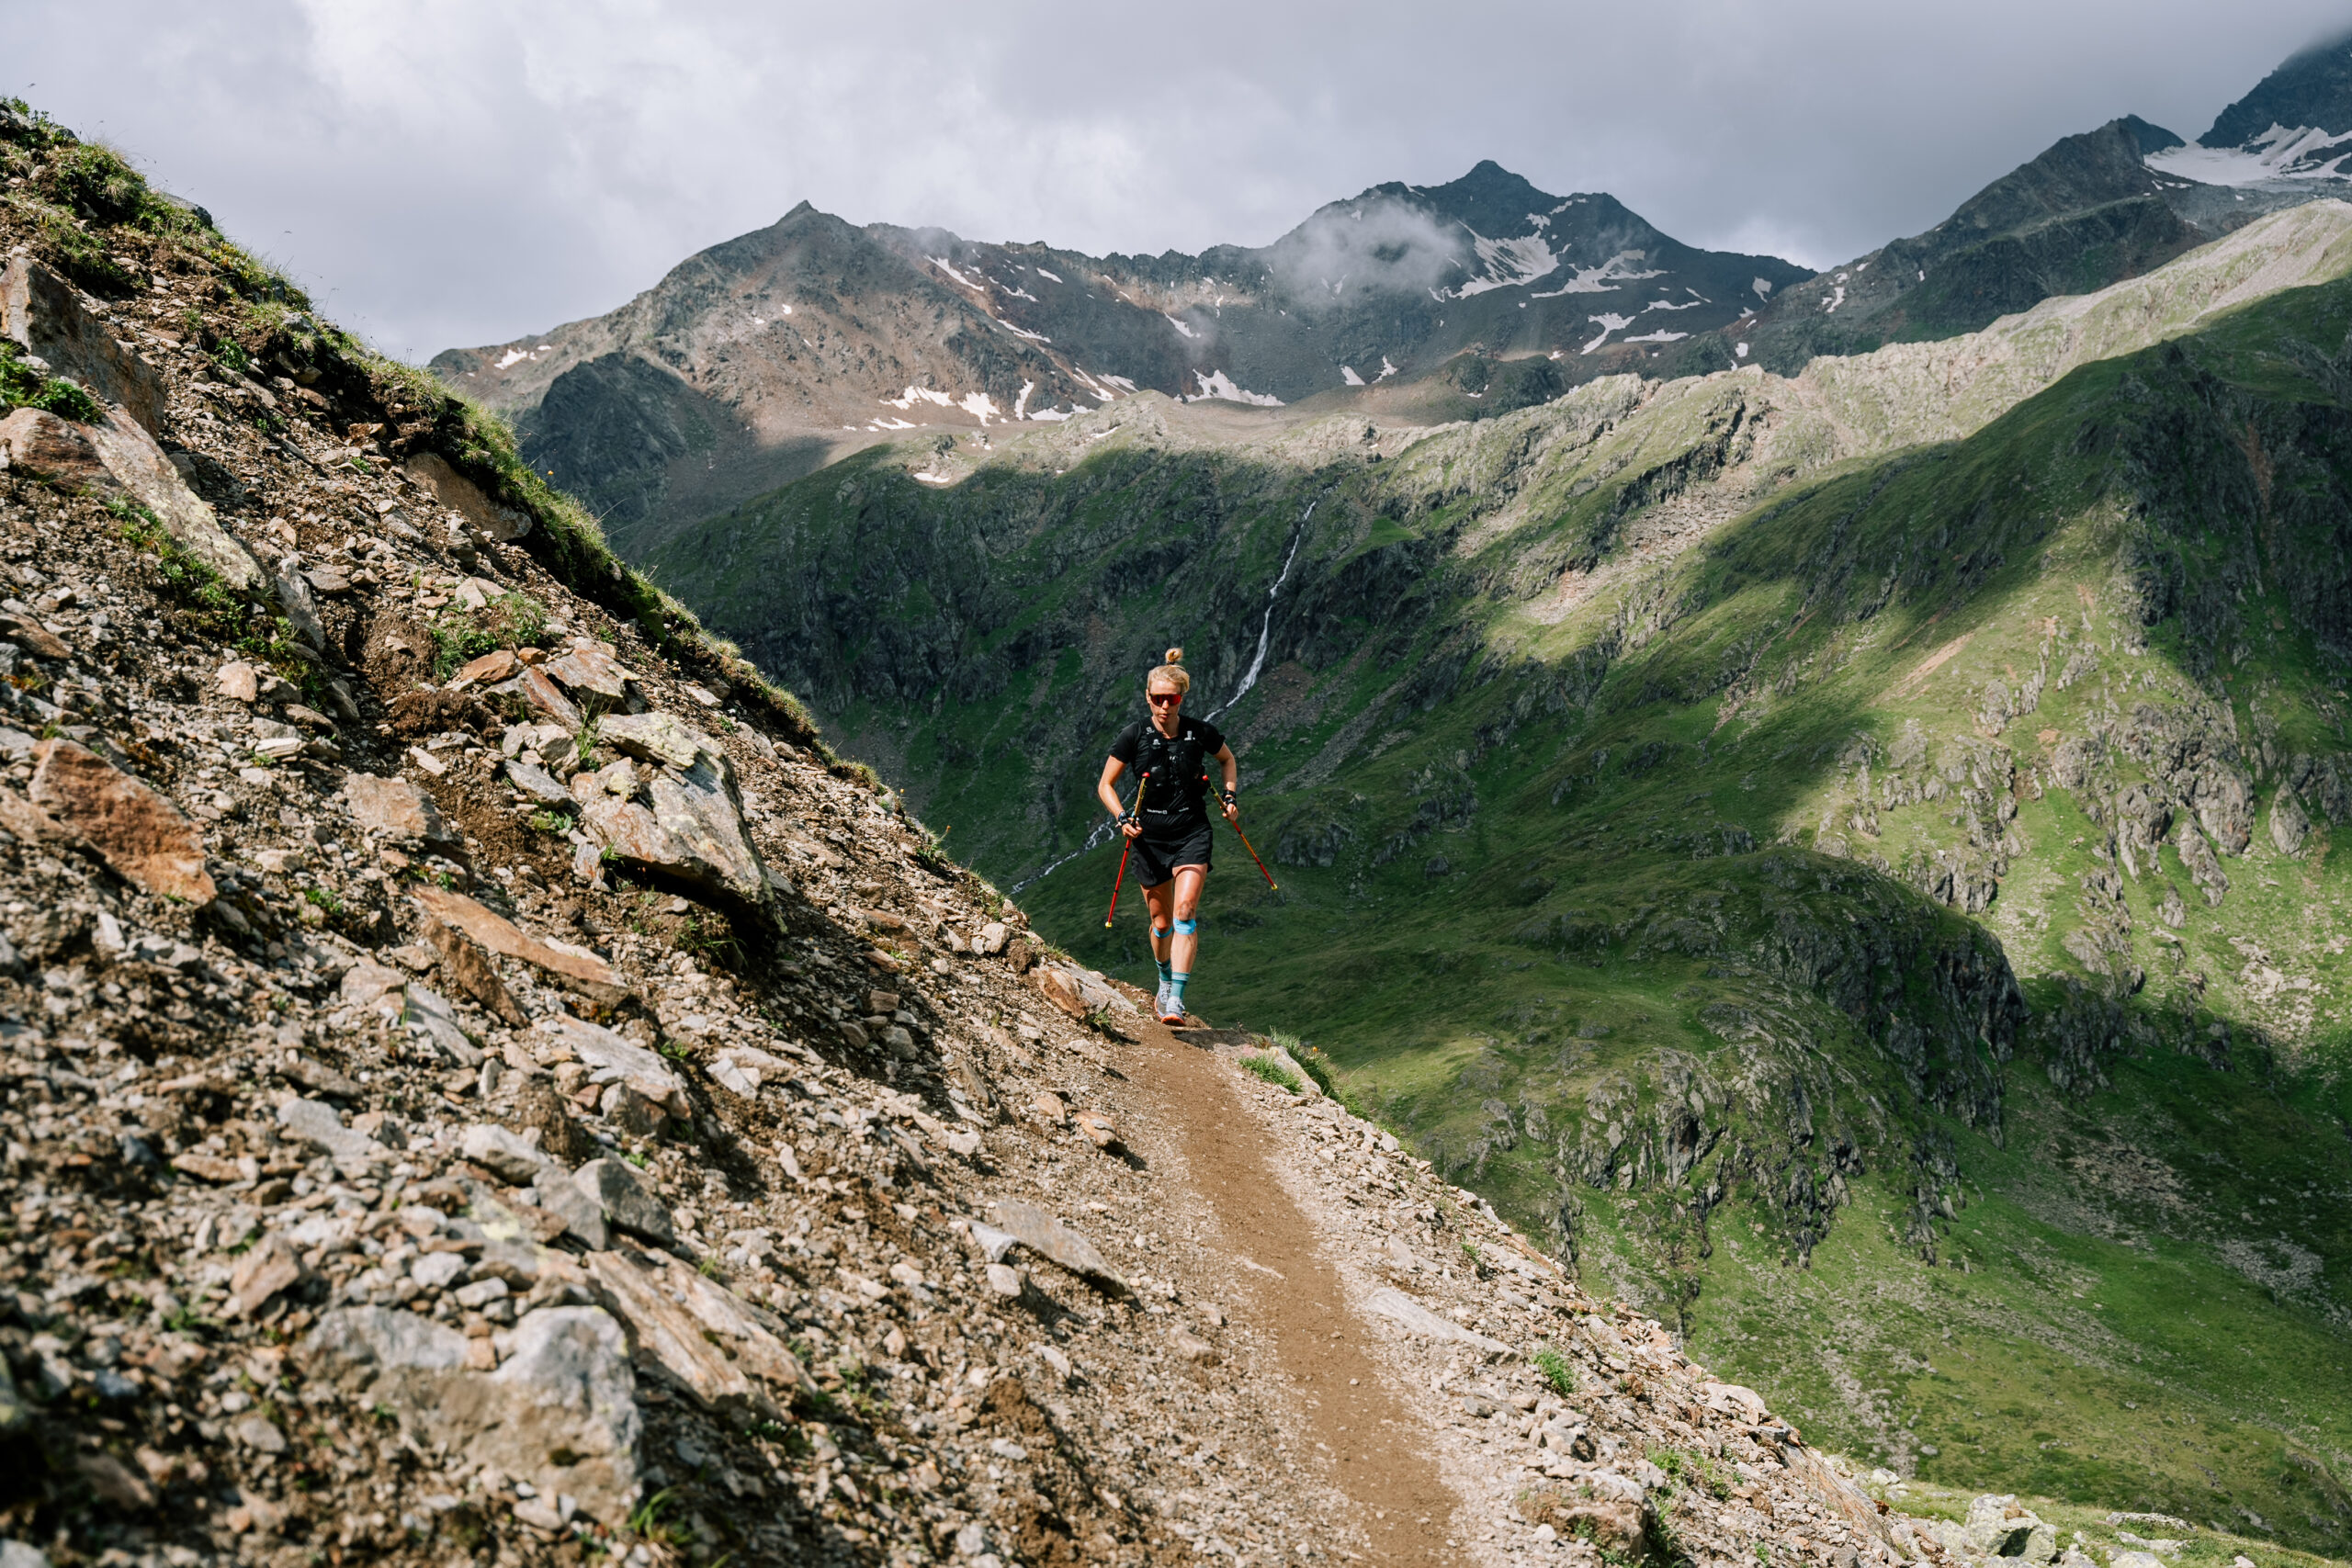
444 171
1381 242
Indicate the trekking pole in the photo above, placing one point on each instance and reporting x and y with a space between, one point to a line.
1253 855
1128 849
1253 852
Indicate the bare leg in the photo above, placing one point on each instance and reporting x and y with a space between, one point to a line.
1160 901
1190 881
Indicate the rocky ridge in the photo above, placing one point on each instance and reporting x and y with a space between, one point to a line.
483 1080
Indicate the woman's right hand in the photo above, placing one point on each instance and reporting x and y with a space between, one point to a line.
1131 828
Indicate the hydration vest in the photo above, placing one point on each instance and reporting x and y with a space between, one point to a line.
1178 770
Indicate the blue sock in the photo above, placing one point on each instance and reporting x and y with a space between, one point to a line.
1176 988
1162 935
1164 971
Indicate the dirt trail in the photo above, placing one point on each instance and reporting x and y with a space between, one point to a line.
1377 1450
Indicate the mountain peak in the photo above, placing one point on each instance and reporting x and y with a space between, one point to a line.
2312 88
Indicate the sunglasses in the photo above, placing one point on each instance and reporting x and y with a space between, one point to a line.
1164 699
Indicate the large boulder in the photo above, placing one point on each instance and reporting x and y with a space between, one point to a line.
42 312
560 1411
683 818
1999 1526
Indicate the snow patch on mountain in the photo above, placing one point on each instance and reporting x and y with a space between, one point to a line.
1607 323
1622 268
1348 374
1510 263
1217 385
2278 153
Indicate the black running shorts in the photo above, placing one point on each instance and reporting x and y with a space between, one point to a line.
1157 859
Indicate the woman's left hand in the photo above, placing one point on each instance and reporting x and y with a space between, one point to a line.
1232 811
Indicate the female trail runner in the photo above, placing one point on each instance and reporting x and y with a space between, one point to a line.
1168 829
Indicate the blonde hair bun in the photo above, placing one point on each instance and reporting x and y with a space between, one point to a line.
1170 675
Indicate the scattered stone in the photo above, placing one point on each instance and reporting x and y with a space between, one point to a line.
597 681
1054 1241
239 681
395 809
560 1410
354 1153
1004 1279
270 1266
490 668
627 1062
626 1202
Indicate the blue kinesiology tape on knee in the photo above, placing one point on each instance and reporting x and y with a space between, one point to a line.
1187 928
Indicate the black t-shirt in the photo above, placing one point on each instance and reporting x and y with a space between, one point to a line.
1179 768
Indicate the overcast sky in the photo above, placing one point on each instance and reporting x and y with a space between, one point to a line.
443 173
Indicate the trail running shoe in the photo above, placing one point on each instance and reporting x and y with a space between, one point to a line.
1171 1011
1161 1000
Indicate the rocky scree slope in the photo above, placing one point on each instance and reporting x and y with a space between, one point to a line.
480 1080
762 358
1743 802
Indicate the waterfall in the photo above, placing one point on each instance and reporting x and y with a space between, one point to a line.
1266 626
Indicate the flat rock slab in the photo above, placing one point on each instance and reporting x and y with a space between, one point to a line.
134 462
140 832
39 309
46 446
462 496
1398 1307
1054 1241
628 1061
501 936
689 827
699 1331
395 808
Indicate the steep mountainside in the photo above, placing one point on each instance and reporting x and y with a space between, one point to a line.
1845 858
762 358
